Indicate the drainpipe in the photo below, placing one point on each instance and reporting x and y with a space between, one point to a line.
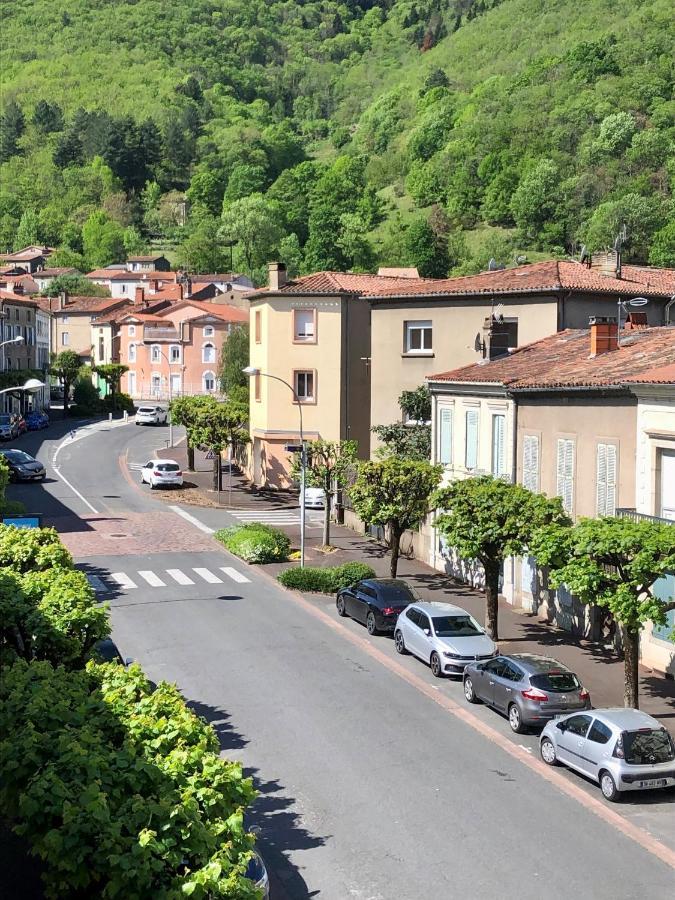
666 311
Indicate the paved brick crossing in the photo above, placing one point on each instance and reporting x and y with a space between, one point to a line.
162 578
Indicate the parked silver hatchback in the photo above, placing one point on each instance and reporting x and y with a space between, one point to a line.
620 749
529 689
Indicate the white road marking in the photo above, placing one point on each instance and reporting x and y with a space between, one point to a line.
123 580
207 576
234 575
179 576
98 584
192 519
152 579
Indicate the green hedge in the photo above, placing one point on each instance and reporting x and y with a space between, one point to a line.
255 543
325 580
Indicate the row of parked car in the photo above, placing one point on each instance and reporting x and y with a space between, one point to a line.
14 424
620 749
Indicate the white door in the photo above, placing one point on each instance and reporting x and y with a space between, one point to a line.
131 382
175 385
668 484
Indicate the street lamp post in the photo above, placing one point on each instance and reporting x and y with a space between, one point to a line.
168 364
252 371
622 305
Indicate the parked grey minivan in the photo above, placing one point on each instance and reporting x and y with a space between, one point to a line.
529 689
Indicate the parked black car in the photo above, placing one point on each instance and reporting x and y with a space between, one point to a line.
23 466
376 602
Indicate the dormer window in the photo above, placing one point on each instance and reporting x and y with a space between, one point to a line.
208 331
132 331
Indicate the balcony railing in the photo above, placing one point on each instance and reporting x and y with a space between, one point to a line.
152 333
635 516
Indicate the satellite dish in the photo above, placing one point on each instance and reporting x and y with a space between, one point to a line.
498 311
638 301
478 344
492 265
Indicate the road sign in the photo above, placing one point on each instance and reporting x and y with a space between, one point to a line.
211 454
293 448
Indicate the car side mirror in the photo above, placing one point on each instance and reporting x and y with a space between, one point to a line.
561 726
427 632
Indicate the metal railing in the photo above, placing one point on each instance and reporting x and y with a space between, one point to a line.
634 516
160 333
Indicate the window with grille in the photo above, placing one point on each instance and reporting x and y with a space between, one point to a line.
444 436
132 352
498 445
304 321
531 462
606 460
565 473
304 386
471 444
155 353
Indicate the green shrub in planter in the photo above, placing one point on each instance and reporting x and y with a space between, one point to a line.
255 542
325 580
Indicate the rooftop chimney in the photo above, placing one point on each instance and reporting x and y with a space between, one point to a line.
278 275
140 295
63 299
604 335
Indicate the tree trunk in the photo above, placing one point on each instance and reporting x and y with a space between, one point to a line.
66 392
216 471
395 550
631 646
492 599
190 457
326 519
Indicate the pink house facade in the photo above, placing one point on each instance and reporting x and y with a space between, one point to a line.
177 351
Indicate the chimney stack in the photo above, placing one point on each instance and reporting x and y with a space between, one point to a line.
140 295
604 335
63 299
278 275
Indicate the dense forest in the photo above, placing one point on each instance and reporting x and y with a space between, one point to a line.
436 133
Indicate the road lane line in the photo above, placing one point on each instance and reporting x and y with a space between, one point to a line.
193 520
234 575
123 580
152 579
208 576
598 807
179 576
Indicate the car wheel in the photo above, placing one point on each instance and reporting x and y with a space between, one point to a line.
371 624
152 485
399 643
436 666
608 788
469 692
515 719
547 752
340 604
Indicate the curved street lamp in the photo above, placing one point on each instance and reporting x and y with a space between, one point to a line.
252 371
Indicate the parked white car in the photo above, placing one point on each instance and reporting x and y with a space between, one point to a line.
162 473
151 415
444 636
315 498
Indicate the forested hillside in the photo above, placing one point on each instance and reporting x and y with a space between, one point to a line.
437 133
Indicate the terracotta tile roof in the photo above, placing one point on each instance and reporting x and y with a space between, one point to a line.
27 282
27 253
20 298
139 316
659 375
102 273
151 258
217 276
549 275
563 360
80 304
346 283
219 310
54 272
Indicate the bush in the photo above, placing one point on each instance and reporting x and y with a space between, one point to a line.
32 549
325 580
85 396
255 543
122 402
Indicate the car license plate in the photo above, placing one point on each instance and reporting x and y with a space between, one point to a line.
653 782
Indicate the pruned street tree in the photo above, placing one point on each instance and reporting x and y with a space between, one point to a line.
184 411
486 520
216 426
409 438
329 464
111 373
66 366
613 563
395 494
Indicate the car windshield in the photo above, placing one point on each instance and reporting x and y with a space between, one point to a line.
168 467
456 626
556 682
17 456
649 745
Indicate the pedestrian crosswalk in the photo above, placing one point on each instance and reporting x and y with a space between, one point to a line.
279 516
164 578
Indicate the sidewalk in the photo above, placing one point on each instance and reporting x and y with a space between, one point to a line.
600 670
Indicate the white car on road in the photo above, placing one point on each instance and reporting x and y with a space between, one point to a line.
162 473
151 415
445 637
315 498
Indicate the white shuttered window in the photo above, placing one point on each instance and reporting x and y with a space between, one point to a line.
565 473
531 462
498 445
471 453
445 436
606 480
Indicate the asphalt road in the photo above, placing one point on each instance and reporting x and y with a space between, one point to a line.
375 782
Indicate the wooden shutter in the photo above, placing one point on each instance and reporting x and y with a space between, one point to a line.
445 436
531 462
601 480
498 444
610 501
471 456
565 473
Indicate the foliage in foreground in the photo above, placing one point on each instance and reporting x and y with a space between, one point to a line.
118 788
255 542
326 580
614 563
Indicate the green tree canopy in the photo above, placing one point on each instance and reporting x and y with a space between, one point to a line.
217 424
410 438
102 240
486 519
66 367
396 495
111 373
256 225
329 465
76 286
613 563
235 358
